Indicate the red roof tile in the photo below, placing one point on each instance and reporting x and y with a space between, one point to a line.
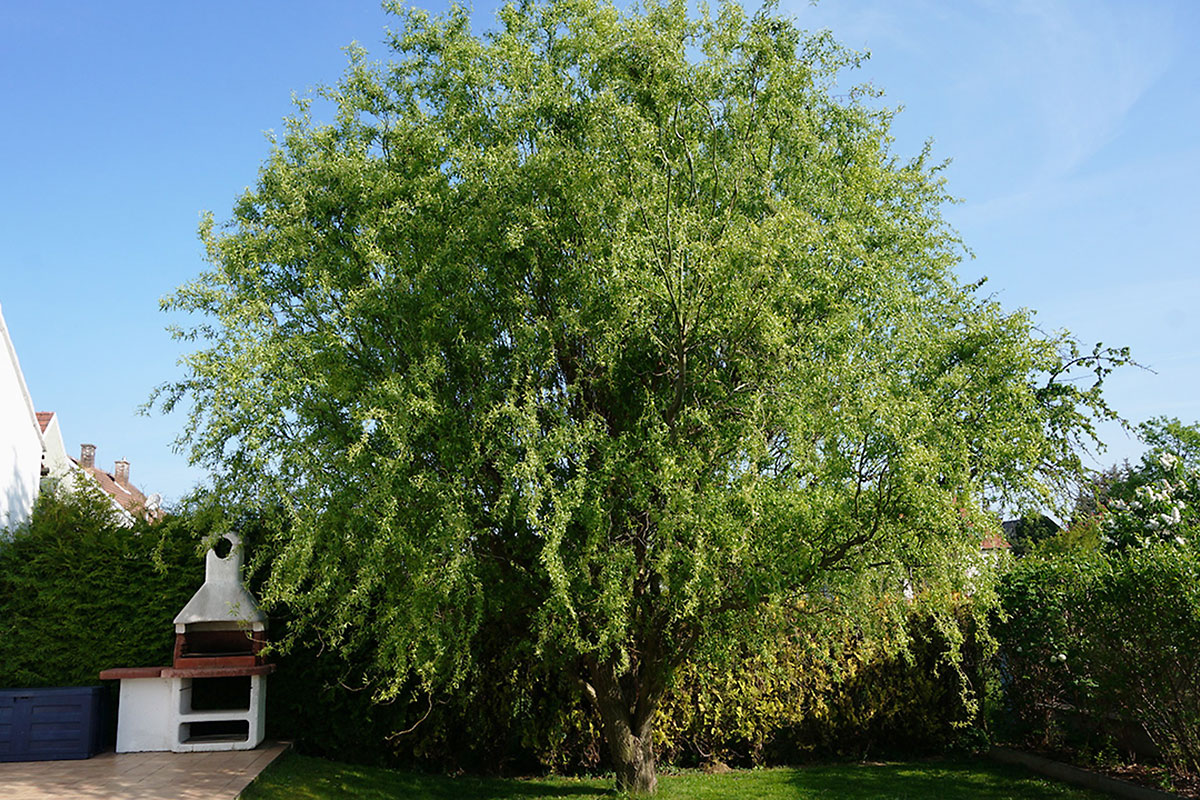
44 418
996 542
127 495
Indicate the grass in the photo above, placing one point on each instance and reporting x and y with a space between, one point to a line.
296 777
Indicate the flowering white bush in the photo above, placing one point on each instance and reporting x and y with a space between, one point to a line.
1164 509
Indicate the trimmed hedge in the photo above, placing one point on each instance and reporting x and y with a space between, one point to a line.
79 593
794 704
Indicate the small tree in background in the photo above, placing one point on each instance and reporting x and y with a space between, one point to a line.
1167 435
622 327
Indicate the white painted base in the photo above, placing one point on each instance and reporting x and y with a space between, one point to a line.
144 717
156 715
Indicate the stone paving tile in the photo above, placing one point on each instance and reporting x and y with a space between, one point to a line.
138 776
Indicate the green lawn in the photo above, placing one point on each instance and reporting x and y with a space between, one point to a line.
296 777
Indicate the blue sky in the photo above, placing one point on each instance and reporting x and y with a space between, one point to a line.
1072 129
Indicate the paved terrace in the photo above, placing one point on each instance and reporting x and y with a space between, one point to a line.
138 776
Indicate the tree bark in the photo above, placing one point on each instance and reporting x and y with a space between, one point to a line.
628 727
633 760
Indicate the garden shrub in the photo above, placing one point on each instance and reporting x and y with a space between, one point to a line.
1114 635
1142 646
1039 632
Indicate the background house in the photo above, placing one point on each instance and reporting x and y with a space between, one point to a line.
55 461
128 500
59 469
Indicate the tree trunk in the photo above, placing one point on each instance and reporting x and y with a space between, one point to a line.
633 760
628 727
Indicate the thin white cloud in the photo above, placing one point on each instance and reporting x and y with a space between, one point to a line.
1149 173
1084 66
869 24
1041 84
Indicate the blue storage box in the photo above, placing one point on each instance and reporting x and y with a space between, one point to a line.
51 724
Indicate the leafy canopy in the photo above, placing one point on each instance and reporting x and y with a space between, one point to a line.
622 324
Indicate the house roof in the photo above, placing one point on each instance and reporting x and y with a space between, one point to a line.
995 542
43 418
128 496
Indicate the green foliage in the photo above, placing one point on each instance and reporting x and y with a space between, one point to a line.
1157 501
1148 603
821 697
1082 534
1108 634
1161 511
1093 494
1031 530
1042 600
1160 500
507 719
1169 435
80 593
616 323
890 705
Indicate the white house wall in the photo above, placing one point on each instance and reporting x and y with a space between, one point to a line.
54 458
20 439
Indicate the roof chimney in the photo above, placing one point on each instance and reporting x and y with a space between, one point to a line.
87 455
121 472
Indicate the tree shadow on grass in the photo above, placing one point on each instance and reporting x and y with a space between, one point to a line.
442 788
298 777
933 780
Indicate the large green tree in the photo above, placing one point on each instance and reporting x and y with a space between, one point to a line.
620 323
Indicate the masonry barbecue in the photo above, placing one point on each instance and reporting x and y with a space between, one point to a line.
213 696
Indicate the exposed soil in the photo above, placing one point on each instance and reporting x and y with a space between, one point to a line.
1155 778
1151 776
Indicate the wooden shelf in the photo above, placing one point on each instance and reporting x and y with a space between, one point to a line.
127 673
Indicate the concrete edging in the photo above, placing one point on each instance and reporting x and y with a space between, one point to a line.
1080 777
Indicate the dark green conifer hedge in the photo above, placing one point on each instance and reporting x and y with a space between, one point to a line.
80 593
